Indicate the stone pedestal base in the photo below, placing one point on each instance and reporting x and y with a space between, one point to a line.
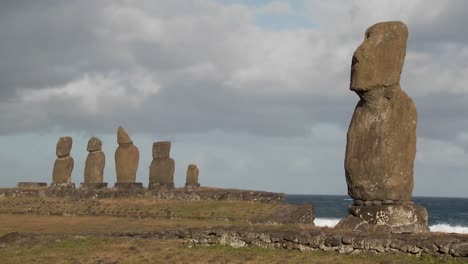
93 185
31 185
403 218
160 186
192 187
63 186
128 186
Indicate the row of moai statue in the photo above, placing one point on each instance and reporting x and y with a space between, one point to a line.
127 156
381 139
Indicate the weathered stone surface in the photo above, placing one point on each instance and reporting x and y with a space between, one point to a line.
94 167
381 141
127 158
161 149
62 171
201 194
64 146
161 171
192 175
128 186
378 61
63 165
94 144
93 185
31 185
386 218
123 137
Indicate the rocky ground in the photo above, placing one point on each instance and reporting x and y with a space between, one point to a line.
141 230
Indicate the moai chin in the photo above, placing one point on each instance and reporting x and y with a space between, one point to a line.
127 158
191 181
381 140
161 171
94 166
63 166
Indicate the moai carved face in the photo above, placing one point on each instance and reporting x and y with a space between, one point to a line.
94 144
378 61
161 149
64 146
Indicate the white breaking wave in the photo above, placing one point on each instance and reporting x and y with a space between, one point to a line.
326 222
444 228
449 229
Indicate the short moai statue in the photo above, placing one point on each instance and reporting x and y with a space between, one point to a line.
94 166
127 158
191 182
161 171
63 166
381 140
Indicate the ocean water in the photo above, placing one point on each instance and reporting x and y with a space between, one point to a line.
448 215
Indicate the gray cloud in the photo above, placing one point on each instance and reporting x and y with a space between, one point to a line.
173 70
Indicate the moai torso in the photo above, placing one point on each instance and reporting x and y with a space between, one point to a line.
162 167
63 165
127 158
381 140
192 175
95 162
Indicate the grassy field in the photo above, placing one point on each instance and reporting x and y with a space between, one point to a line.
147 208
61 239
133 250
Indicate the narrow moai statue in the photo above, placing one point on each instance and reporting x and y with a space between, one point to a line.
63 166
127 158
94 166
161 171
381 140
191 181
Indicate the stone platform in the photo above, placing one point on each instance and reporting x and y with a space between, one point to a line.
128 186
160 186
397 219
93 186
31 185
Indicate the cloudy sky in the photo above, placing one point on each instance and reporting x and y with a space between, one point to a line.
254 92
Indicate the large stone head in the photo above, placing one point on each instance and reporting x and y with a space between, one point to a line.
94 144
123 137
378 61
64 146
161 149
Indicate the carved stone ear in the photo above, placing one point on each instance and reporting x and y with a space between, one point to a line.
389 93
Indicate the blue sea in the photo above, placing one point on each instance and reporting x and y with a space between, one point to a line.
448 215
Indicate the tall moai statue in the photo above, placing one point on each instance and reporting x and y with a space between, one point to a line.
94 166
127 158
191 181
161 171
381 140
63 166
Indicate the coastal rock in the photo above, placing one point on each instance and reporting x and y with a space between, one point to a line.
161 171
63 166
95 162
191 180
127 158
381 141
